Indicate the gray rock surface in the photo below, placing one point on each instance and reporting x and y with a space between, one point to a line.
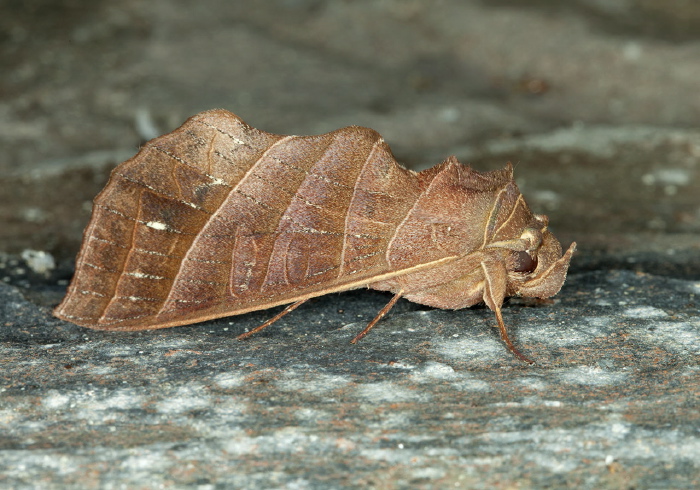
429 399
594 102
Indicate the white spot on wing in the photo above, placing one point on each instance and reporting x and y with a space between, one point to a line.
157 225
142 275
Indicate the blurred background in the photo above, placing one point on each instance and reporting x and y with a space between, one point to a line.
595 101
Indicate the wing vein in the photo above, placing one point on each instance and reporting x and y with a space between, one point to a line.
235 188
341 266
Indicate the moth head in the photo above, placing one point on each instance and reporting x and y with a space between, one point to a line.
532 255
540 269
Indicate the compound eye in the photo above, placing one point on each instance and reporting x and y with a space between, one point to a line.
522 262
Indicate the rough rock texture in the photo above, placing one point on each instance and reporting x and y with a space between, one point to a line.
594 102
429 398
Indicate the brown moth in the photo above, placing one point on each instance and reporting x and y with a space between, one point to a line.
218 218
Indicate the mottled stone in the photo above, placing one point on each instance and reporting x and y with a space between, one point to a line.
429 398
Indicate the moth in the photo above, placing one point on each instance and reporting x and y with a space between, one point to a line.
218 218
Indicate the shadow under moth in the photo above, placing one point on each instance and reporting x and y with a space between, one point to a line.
218 218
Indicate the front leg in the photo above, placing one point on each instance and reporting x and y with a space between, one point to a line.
495 285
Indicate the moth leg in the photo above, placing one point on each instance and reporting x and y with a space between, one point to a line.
272 320
494 293
379 316
506 339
